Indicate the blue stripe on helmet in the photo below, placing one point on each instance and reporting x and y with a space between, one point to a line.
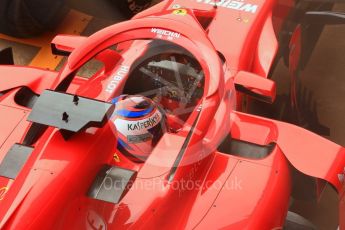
116 99
123 144
133 114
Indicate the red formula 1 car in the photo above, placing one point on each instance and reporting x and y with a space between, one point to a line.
71 154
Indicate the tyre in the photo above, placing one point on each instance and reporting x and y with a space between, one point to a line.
132 7
27 18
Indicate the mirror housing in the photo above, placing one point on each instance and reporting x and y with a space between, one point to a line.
253 85
64 45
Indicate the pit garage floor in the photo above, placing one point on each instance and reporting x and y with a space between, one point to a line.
324 76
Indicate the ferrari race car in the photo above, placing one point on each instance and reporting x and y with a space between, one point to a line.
144 126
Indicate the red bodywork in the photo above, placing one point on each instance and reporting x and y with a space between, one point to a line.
203 187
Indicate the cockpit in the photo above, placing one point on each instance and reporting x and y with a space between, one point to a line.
157 75
160 70
169 75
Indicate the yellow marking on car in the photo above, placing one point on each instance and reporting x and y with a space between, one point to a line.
116 158
181 12
3 192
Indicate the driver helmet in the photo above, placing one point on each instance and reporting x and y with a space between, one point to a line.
140 124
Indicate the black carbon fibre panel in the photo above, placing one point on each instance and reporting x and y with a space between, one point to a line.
14 161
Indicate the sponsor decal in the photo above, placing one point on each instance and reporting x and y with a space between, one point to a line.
176 6
128 127
245 20
3 192
165 34
146 124
116 79
239 5
139 138
181 12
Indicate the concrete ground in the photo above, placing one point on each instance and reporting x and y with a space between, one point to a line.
324 76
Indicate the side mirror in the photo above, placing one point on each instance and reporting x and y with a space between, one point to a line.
65 44
258 87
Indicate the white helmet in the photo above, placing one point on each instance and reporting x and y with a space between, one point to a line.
140 124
